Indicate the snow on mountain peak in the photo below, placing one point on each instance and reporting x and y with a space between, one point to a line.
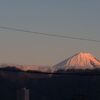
80 60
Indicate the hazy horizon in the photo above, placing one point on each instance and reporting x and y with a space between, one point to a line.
63 17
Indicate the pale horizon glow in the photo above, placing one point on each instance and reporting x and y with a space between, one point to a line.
64 17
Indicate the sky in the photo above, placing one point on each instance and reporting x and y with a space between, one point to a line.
76 18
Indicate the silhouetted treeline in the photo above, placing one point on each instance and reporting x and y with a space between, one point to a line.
68 85
9 68
79 71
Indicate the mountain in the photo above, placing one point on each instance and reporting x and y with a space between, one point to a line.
80 60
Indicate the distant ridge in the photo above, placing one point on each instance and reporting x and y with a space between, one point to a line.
27 67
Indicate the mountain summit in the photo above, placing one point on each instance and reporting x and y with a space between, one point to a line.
80 60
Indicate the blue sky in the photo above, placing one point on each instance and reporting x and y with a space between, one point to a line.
77 18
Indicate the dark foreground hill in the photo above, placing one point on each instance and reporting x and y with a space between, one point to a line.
72 85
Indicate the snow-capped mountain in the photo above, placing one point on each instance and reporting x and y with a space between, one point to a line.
78 61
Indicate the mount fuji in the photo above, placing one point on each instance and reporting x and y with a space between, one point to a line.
80 60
